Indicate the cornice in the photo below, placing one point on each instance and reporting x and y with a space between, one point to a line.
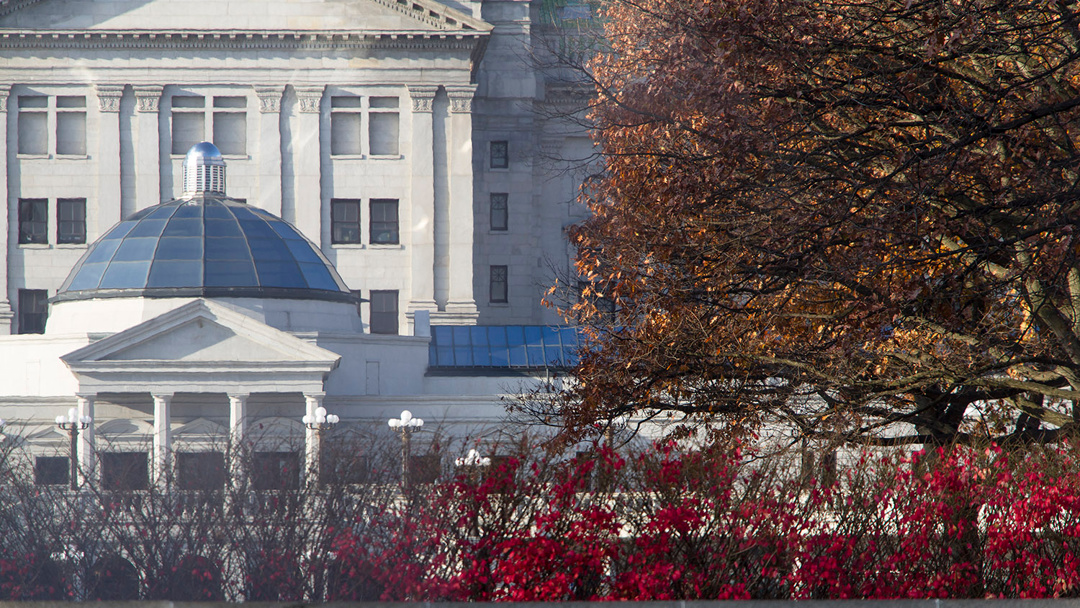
240 39
436 14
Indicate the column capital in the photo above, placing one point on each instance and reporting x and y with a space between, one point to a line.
147 98
86 396
310 99
166 397
239 396
316 397
461 98
423 95
5 91
269 98
109 97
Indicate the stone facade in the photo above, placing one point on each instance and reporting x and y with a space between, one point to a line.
404 139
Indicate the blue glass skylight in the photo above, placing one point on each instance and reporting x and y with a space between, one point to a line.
503 346
204 245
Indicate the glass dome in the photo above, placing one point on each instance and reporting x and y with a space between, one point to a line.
204 244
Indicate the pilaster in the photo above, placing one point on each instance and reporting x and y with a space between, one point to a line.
269 153
237 431
148 148
106 206
6 314
421 218
307 163
461 304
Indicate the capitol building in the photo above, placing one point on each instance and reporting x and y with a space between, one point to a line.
238 214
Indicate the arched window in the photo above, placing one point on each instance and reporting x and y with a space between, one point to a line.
112 578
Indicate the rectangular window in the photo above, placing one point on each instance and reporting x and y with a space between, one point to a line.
226 117
33 220
276 470
188 128
33 124
71 125
498 285
499 211
499 157
383 126
33 310
424 468
384 312
230 124
71 220
384 221
124 471
203 471
52 471
345 115
344 220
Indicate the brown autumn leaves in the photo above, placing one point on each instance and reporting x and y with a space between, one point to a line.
856 217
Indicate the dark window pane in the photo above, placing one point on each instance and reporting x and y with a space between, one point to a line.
279 274
175 273
231 273
500 155
384 312
124 471
276 470
135 249
180 248
125 275
345 220
88 277
33 220
183 227
498 284
384 221
52 470
33 310
71 220
200 470
499 211
227 248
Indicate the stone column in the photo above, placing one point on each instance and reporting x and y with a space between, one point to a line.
307 164
86 456
312 439
237 431
162 438
421 215
148 148
461 305
107 206
10 210
269 152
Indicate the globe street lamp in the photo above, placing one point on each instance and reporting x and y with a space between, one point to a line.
473 459
73 423
405 426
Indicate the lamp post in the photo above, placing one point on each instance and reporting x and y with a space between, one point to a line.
406 426
73 423
318 423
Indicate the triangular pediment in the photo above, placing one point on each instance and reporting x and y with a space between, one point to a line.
201 332
237 15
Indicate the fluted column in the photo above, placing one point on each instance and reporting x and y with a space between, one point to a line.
10 208
107 205
307 159
86 455
147 148
461 304
421 216
162 438
269 152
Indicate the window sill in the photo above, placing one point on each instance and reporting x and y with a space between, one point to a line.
387 156
71 245
498 231
386 246
347 157
499 304
72 157
33 156
35 246
499 169
348 246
